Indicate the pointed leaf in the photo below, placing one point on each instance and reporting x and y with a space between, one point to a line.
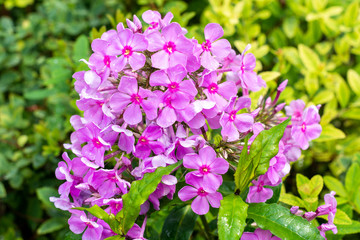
282 223
309 58
352 180
179 224
335 185
354 81
139 192
232 217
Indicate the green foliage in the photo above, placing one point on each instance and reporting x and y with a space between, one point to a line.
179 224
285 225
232 217
139 192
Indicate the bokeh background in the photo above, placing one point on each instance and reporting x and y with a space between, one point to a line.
315 44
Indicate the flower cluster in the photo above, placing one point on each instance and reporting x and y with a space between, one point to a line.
329 208
150 98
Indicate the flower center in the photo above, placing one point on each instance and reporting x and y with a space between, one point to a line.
143 140
127 51
136 98
173 87
204 169
206 45
153 25
260 186
232 116
170 47
213 88
303 127
202 192
96 143
107 61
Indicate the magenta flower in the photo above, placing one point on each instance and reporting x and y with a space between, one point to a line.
78 222
148 142
128 45
115 205
245 71
181 91
153 18
173 46
129 93
258 193
295 110
96 144
259 234
200 205
108 183
135 25
233 123
308 128
328 226
126 140
207 166
329 206
218 93
212 49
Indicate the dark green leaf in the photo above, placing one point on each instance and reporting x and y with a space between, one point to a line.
232 217
139 193
81 48
2 190
276 193
39 94
179 224
282 223
51 225
45 193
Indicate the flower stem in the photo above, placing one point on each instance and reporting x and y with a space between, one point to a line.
206 227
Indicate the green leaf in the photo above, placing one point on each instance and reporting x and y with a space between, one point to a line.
354 81
340 218
179 224
44 194
323 96
232 217
311 83
335 185
290 26
139 192
81 48
51 225
39 94
352 180
117 237
269 76
96 211
309 190
353 228
352 113
276 193
72 236
282 223
351 14
342 93
329 133
291 200
309 58
2 190
266 146
245 169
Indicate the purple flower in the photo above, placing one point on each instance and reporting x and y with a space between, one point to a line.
245 71
78 222
108 183
233 123
328 226
126 139
258 193
200 205
96 144
259 234
212 49
173 46
218 93
295 110
147 142
129 93
181 91
115 205
329 206
208 166
308 128
153 18
135 26
128 45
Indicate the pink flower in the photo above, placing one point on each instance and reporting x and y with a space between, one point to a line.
257 192
207 166
129 93
147 142
308 128
295 110
128 45
233 123
78 222
173 46
259 234
214 50
153 18
200 205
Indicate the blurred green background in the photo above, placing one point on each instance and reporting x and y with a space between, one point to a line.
313 43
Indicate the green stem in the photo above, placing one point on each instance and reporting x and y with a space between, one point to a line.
206 227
